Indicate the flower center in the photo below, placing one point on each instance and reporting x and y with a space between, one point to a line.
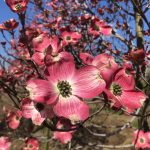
68 38
18 6
116 89
39 106
17 118
30 146
141 140
7 24
64 88
96 27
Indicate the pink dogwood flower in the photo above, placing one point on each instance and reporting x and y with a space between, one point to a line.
70 37
55 54
65 86
48 50
31 144
122 93
99 26
17 6
5 143
141 139
9 25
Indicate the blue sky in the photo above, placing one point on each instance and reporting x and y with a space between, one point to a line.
5 12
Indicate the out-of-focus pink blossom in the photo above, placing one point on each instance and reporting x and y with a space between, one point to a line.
17 6
53 24
99 26
13 119
70 37
63 137
31 144
137 56
5 143
9 25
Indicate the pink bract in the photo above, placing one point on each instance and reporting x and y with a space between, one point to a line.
86 58
30 110
41 42
104 62
40 45
39 94
63 137
59 58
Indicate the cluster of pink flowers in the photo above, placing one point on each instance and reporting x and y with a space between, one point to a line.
141 139
64 87
120 84
30 143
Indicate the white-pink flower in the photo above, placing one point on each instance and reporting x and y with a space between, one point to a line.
122 93
64 88
141 139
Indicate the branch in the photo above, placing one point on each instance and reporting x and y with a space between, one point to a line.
127 125
140 12
120 7
115 146
121 38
